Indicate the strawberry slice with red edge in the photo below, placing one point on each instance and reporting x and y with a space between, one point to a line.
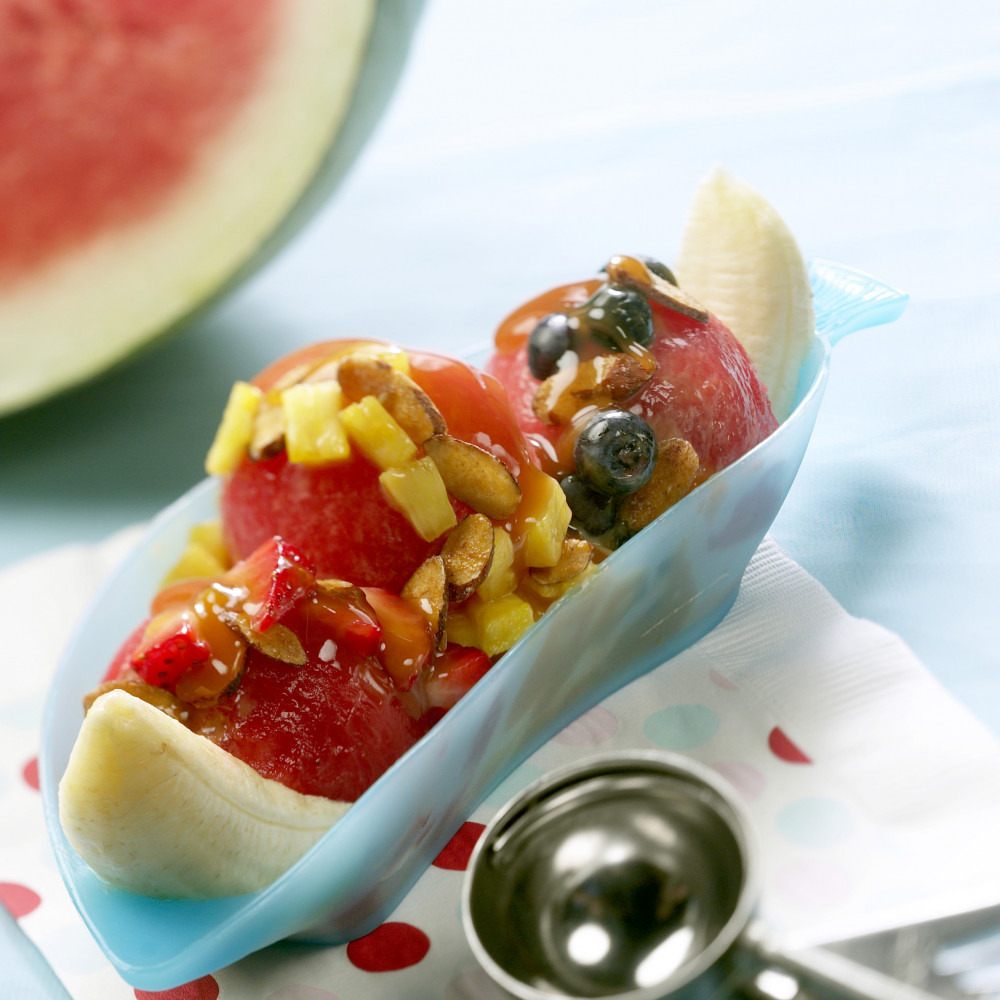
452 673
276 577
407 640
338 614
171 646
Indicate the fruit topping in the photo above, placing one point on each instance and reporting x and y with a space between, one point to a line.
615 452
551 338
616 394
616 317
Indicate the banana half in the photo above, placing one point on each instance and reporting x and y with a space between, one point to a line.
739 258
157 809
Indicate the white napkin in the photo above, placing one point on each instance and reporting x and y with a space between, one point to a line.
877 797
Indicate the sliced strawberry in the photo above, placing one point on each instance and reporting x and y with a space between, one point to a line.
407 639
276 577
341 615
171 646
452 673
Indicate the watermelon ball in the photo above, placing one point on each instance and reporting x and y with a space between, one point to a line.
704 389
338 512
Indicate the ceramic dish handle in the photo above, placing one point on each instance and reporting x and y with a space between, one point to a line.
846 300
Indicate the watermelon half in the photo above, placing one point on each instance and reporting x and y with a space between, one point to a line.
152 154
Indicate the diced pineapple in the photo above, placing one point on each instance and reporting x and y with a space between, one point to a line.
545 524
376 434
208 534
499 624
417 490
461 629
313 431
235 430
500 580
195 561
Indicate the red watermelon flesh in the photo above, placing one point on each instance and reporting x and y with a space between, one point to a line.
705 390
105 106
151 155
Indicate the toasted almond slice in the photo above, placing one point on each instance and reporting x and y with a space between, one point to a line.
673 478
467 555
573 560
601 381
361 375
426 589
633 273
268 436
279 642
474 476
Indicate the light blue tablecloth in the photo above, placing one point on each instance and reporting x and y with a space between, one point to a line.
532 139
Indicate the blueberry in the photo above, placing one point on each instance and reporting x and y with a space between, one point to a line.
551 338
615 316
593 512
615 452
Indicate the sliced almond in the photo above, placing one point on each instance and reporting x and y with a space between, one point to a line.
673 478
602 381
361 375
268 436
467 555
474 476
573 560
279 642
633 273
427 591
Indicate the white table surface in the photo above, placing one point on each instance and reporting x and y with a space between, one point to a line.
531 139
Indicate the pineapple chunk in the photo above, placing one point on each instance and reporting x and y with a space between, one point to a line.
196 560
208 534
313 431
376 434
461 629
499 624
501 579
235 429
417 491
545 524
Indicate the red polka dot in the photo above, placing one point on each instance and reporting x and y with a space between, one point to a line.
205 988
30 773
456 853
19 899
784 749
392 946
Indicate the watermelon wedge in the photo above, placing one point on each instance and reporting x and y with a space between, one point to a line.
155 154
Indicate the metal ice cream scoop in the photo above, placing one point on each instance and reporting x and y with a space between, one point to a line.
631 876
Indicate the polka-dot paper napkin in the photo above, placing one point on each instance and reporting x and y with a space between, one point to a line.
855 763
